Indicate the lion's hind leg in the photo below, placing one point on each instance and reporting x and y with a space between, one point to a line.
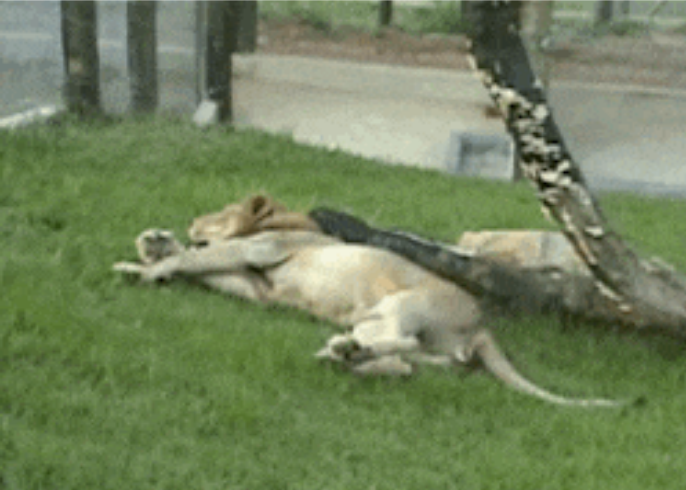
363 360
375 346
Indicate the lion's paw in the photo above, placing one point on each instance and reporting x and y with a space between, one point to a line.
154 245
128 267
349 349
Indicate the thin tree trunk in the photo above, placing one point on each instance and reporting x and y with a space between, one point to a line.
625 8
220 44
218 60
81 61
247 28
142 54
603 12
385 13
643 294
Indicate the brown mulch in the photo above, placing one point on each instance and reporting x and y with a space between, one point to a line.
651 60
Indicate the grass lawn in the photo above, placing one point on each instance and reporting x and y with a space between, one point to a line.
107 384
432 17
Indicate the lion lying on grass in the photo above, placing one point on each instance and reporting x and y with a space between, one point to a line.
398 313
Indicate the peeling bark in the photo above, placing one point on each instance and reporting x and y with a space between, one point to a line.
644 295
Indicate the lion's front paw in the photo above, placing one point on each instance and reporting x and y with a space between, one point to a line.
154 245
128 267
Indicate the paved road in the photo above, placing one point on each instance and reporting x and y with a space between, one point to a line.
625 138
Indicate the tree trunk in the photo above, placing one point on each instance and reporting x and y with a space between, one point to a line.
385 13
142 54
625 8
247 28
218 20
603 12
644 294
81 61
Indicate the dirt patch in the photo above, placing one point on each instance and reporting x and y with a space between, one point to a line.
656 60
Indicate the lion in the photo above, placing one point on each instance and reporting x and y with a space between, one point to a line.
395 314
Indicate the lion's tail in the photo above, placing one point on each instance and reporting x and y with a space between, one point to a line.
495 361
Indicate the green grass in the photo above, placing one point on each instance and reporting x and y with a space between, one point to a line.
432 17
444 17
324 15
108 384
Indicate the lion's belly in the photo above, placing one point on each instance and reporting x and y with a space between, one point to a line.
341 282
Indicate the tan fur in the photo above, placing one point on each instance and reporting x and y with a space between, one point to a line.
255 214
400 314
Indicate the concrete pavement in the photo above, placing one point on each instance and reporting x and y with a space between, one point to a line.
398 115
624 137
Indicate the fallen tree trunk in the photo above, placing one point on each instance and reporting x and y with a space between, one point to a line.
511 271
481 277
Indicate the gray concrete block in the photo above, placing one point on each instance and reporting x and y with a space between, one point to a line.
481 155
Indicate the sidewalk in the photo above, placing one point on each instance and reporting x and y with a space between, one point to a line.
398 115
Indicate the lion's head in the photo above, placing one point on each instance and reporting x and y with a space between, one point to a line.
255 214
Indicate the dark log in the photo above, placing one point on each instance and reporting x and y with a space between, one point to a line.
81 60
142 54
508 287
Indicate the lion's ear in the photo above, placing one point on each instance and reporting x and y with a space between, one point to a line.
257 206
261 206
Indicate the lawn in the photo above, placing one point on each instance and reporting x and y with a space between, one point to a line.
108 384
328 17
